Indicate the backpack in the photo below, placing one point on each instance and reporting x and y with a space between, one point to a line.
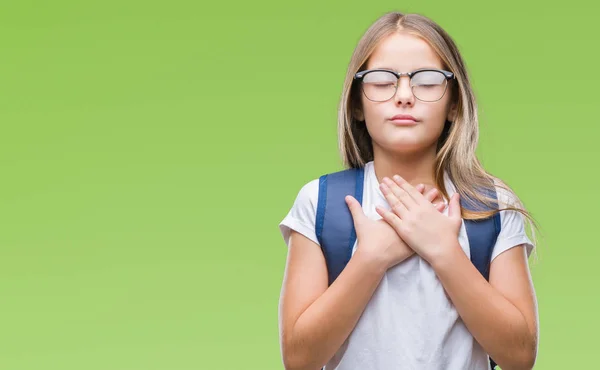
336 234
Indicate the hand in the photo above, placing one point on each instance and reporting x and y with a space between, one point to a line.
429 233
377 240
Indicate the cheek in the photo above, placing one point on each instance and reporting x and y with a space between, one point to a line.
368 109
437 115
377 112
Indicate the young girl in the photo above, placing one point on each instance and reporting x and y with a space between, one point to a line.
409 298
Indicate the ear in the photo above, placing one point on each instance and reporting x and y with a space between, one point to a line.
452 112
358 114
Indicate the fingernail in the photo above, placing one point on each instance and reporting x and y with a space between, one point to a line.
397 178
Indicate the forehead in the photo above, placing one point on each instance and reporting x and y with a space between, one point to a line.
403 52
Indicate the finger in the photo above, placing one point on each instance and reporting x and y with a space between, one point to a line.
406 186
454 207
355 210
400 193
440 206
390 217
395 204
420 188
431 195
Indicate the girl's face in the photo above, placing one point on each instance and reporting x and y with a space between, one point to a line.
403 52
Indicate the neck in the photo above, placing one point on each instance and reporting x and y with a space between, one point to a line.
416 168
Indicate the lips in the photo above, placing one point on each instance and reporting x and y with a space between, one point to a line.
404 117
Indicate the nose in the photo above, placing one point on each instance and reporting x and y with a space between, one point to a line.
404 94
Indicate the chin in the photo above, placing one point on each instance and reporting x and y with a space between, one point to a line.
406 146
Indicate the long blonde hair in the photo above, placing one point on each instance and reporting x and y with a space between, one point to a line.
458 142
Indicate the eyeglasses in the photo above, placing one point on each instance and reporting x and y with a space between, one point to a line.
427 84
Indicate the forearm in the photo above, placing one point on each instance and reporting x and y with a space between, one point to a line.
324 326
497 324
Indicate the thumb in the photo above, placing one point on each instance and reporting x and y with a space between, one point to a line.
355 209
454 207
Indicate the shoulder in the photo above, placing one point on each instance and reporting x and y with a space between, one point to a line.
302 214
507 198
308 194
513 221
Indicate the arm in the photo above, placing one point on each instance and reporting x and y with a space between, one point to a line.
315 320
501 314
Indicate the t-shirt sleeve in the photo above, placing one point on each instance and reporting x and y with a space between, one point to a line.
512 232
301 216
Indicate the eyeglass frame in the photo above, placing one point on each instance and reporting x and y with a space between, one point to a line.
358 76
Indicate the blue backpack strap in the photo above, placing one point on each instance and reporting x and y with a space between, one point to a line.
335 228
482 235
334 225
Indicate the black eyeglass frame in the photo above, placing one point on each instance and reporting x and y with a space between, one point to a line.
358 76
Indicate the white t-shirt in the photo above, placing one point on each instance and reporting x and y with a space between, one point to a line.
409 323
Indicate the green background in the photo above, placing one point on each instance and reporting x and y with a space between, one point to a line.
149 150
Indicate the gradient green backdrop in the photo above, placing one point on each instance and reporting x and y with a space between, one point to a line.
149 150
